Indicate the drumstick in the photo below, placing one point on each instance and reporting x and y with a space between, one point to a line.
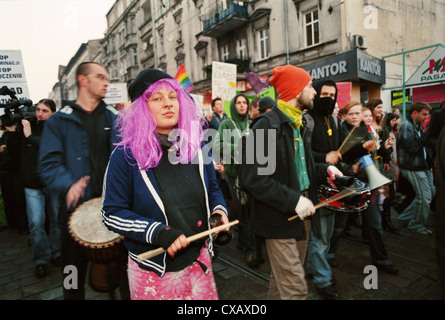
343 144
153 253
339 196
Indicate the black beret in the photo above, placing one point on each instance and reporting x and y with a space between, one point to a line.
143 80
266 103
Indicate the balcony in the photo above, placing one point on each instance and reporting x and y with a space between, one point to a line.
242 66
224 21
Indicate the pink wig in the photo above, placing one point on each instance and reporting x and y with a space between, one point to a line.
137 127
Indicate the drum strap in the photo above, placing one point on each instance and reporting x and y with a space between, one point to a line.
152 190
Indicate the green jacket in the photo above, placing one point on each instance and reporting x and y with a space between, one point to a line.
228 137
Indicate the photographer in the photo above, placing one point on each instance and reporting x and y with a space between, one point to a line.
12 188
45 247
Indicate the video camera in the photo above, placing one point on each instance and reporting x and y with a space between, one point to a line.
14 110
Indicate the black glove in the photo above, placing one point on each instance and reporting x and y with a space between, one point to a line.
166 235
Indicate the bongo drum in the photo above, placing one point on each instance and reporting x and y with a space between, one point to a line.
100 246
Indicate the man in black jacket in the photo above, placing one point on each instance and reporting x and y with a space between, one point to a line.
325 143
435 126
45 248
415 165
289 185
439 177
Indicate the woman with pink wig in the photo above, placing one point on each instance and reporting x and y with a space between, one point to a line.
160 188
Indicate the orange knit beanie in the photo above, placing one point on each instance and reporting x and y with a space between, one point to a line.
289 81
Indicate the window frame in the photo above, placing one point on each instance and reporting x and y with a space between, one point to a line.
225 53
314 22
263 44
241 49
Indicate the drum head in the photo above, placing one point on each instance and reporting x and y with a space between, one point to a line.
87 228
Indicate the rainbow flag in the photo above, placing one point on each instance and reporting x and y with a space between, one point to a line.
183 79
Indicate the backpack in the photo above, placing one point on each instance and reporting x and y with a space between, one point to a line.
274 123
309 121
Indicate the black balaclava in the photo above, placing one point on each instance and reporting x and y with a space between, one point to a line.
324 106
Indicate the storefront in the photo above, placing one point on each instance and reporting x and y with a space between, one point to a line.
359 76
428 82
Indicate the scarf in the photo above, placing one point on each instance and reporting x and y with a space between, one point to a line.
296 115
295 118
163 140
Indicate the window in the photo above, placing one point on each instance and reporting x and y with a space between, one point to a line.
131 28
146 9
122 38
203 65
225 52
135 57
114 71
161 41
241 49
113 44
312 28
263 36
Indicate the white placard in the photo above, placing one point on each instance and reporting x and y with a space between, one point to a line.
116 93
12 74
223 80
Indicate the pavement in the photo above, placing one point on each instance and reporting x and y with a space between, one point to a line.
414 254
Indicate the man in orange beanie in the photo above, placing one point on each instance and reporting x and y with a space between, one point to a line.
291 189
289 81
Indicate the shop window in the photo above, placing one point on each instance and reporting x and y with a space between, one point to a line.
312 28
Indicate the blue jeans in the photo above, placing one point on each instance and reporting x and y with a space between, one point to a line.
44 247
417 212
318 248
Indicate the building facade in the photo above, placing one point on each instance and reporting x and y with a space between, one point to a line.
341 39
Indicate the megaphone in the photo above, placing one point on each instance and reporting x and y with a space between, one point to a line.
376 179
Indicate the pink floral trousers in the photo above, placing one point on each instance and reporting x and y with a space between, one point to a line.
191 283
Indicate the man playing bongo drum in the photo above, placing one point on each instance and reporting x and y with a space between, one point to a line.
75 147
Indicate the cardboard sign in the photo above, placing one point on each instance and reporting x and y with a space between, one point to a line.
223 80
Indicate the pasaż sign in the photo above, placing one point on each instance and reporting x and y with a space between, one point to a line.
432 70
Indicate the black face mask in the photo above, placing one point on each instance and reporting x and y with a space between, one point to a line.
326 106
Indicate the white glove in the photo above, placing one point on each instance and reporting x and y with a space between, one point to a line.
334 172
305 208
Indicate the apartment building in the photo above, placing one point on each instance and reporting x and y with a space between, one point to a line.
66 88
343 40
